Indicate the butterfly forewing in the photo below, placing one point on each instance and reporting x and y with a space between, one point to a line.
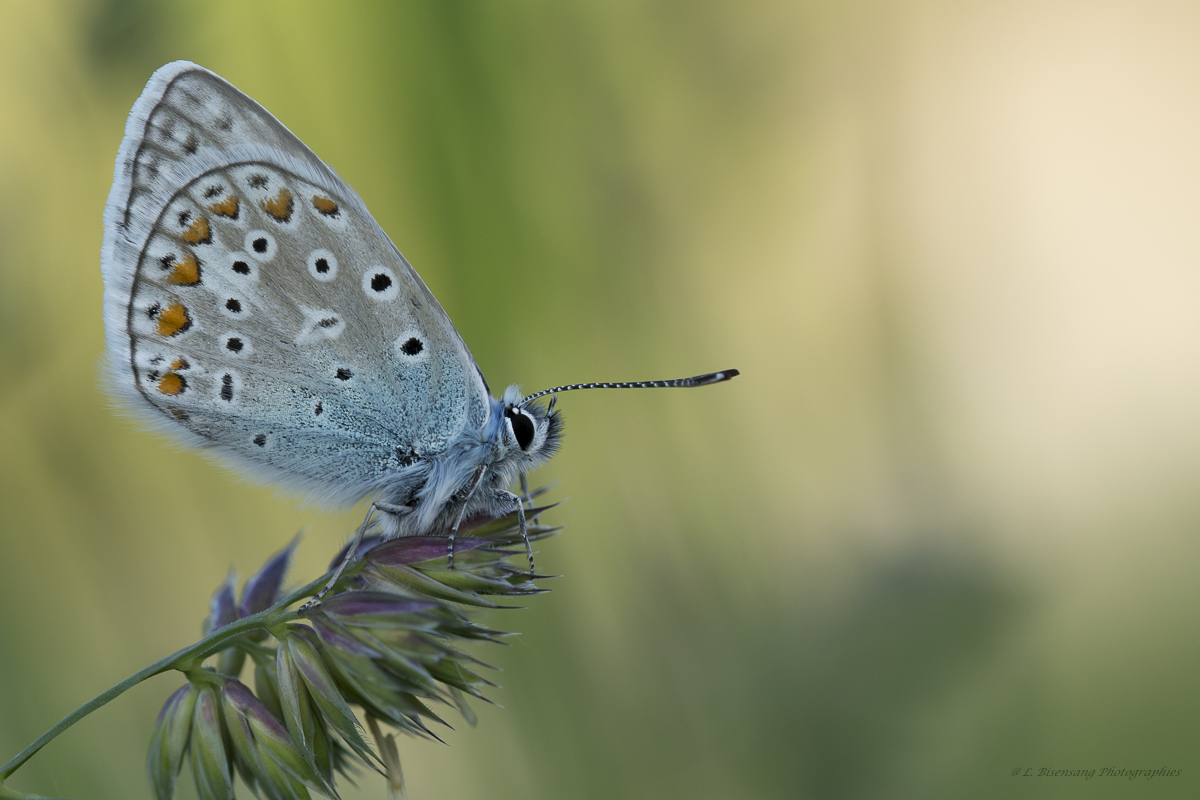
254 304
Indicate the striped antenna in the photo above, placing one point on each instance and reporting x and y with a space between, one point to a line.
678 383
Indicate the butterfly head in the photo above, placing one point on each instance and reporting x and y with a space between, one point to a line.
530 432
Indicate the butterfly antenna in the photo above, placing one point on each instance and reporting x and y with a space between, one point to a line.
678 383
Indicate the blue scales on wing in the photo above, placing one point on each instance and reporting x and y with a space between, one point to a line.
254 306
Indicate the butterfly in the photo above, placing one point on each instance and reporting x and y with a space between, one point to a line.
254 307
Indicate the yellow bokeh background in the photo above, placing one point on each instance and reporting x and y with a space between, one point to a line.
943 527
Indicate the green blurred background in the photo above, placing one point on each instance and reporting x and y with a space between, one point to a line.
944 526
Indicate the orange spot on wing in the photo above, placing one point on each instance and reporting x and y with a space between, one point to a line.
172 384
198 232
173 320
279 206
325 205
226 208
185 272
179 363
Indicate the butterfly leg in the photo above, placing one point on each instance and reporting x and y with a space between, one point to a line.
453 535
527 497
509 496
352 551
463 497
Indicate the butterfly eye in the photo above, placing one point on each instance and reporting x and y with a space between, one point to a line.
522 426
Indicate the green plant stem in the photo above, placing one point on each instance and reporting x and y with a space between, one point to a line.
186 659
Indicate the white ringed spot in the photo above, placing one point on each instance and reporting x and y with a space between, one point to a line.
320 323
379 283
261 245
235 345
234 307
411 347
227 386
322 265
241 267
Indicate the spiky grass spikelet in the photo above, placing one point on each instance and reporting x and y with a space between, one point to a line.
385 647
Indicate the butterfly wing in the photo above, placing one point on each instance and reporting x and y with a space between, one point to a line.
254 306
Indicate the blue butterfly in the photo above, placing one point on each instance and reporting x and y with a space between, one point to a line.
254 307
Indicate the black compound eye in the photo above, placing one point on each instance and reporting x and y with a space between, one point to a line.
522 426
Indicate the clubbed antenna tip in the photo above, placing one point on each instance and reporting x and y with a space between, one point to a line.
678 383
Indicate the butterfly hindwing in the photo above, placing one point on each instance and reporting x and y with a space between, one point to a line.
253 305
